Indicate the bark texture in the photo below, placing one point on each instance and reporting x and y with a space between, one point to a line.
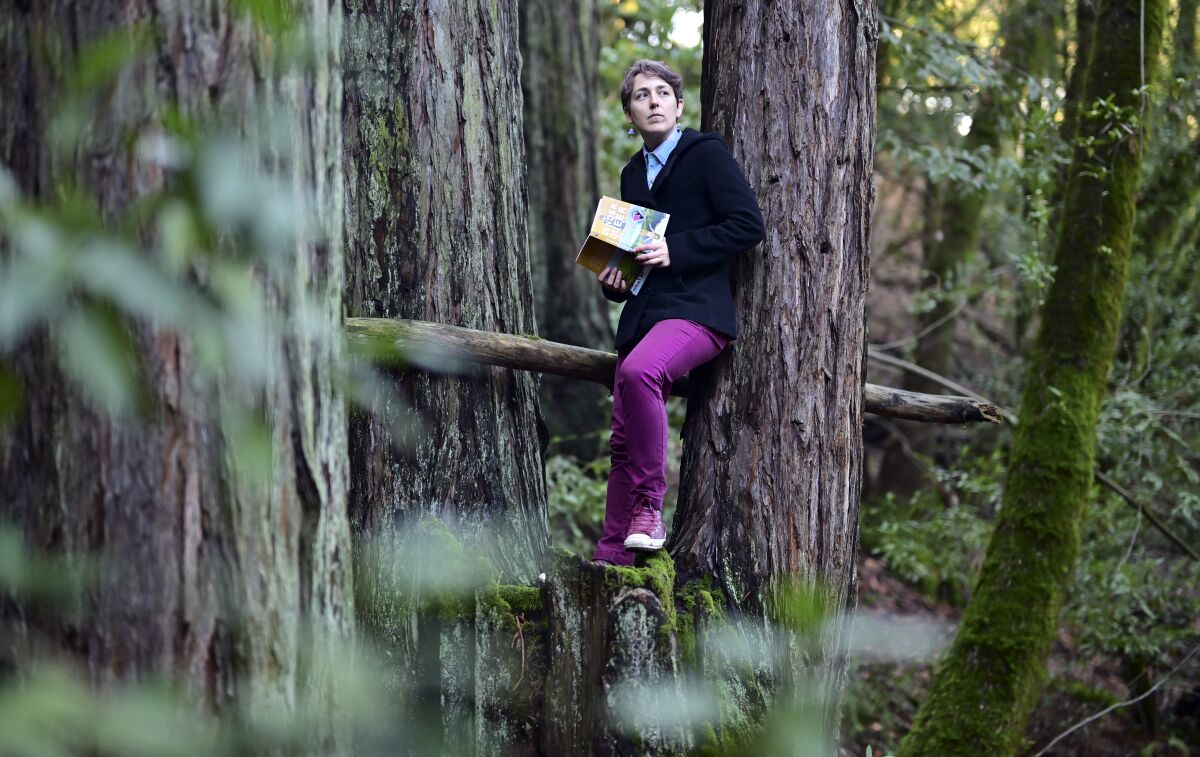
436 230
209 577
772 459
559 55
988 682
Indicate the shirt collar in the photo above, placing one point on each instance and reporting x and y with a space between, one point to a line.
663 151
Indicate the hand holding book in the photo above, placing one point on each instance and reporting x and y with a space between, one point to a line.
624 243
653 254
611 278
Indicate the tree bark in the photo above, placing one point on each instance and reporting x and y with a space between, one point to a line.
772 459
436 210
211 578
560 44
436 228
988 682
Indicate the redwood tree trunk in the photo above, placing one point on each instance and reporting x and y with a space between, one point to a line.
772 464
436 226
209 577
559 54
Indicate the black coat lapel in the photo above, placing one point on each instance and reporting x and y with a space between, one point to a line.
671 161
638 193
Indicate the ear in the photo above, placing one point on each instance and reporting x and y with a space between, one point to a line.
679 108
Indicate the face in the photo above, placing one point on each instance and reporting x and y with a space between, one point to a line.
653 109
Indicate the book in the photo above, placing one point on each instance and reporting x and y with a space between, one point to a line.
618 228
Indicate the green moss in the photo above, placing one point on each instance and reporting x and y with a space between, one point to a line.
509 602
699 600
656 573
523 599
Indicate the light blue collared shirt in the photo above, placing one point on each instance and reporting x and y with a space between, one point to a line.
656 159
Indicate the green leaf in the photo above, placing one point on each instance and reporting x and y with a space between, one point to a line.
178 236
30 290
250 444
110 268
97 353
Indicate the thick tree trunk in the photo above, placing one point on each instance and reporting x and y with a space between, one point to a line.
436 228
988 682
210 577
559 54
436 214
772 460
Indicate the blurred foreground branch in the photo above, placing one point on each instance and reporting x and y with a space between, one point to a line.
445 349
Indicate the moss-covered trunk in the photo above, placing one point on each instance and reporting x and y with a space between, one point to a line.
772 459
559 56
209 576
988 682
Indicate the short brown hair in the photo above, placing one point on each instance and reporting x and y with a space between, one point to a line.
654 68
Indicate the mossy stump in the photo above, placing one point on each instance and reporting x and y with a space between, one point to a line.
613 647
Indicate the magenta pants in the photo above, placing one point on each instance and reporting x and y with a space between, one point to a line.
639 422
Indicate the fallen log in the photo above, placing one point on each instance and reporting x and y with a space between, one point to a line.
440 348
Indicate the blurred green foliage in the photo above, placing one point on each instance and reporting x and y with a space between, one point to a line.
575 493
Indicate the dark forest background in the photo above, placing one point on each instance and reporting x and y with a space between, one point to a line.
225 531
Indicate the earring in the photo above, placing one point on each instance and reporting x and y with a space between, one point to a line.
631 132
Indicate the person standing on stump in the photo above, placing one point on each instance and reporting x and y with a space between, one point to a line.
683 315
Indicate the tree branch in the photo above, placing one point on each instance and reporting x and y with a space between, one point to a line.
1011 419
1157 685
440 348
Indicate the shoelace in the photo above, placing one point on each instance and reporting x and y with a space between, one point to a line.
643 520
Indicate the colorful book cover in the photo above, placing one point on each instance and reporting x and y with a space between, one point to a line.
618 228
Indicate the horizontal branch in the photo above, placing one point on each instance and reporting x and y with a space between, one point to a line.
453 349
1011 419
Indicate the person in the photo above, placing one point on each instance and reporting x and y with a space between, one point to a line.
683 316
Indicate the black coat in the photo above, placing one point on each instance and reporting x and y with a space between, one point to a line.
714 217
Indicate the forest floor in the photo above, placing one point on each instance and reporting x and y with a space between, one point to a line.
882 696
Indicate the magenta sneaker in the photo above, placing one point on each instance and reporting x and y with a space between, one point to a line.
646 532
